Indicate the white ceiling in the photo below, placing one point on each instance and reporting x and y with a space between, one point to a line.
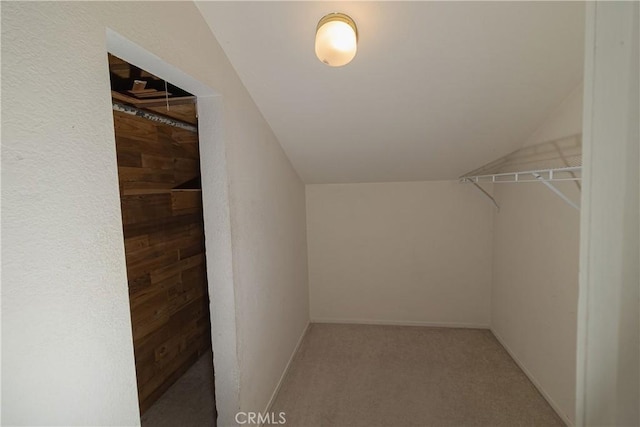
435 90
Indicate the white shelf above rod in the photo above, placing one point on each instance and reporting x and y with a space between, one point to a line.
546 162
545 176
556 174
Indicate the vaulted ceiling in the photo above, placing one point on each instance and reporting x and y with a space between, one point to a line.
435 90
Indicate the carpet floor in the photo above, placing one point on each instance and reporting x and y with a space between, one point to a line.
189 402
365 375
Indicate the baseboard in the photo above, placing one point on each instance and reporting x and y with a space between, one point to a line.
402 323
286 369
533 379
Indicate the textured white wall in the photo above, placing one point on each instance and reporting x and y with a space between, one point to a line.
67 351
609 311
414 253
269 256
535 271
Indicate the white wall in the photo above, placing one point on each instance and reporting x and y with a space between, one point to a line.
414 253
608 390
66 333
269 256
535 271
564 120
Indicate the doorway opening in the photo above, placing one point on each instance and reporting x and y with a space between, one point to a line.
157 145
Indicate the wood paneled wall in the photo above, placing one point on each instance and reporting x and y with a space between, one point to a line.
164 246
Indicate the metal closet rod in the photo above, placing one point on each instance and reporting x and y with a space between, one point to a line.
128 109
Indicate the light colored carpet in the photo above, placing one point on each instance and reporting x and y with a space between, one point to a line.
189 402
364 375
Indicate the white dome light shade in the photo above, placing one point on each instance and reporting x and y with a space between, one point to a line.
336 39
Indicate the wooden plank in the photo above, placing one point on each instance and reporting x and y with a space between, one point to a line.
133 187
129 174
148 266
194 277
184 136
136 243
139 282
145 103
134 127
131 230
157 162
183 327
170 351
184 164
158 305
193 287
172 234
186 150
189 251
176 268
149 93
188 211
129 158
121 97
175 237
185 113
118 66
169 287
186 199
166 251
193 311
150 315
176 100
197 229
154 147
142 191
185 170
143 208
145 346
151 253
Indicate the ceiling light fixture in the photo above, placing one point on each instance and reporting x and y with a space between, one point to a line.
336 39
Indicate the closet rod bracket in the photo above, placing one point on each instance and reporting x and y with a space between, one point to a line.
485 192
555 189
